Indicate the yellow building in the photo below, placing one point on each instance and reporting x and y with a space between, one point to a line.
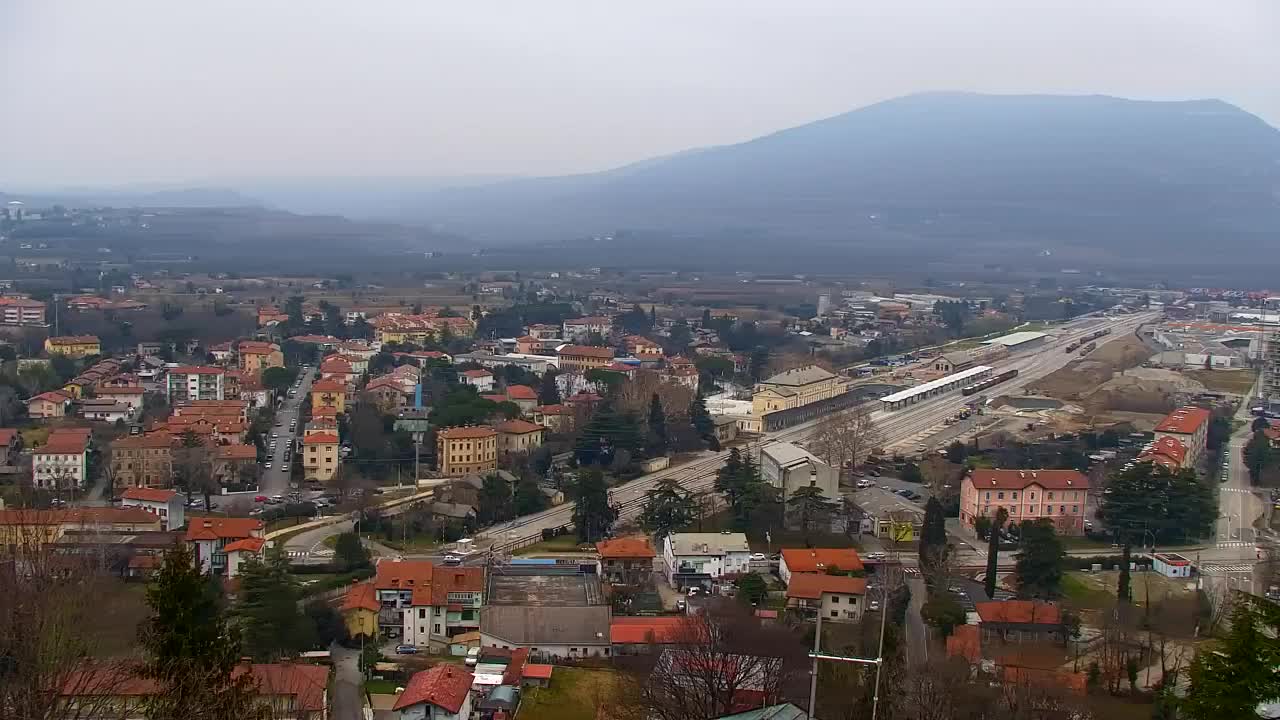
360 610
21 527
515 436
320 456
328 394
73 346
466 450
793 389
258 356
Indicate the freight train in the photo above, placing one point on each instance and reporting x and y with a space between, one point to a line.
1088 349
1075 344
989 382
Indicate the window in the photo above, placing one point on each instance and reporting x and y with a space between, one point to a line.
422 613
1075 509
835 613
988 495
835 599
437 628
1000 495
1014 496
1033 496
1062 509
1050 496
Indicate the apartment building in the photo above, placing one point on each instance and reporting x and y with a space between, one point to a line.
320 456
143 460
1190 426
73 346
22 312
580 358
465 450
1062 496
195 382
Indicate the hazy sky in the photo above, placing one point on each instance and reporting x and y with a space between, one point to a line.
123 91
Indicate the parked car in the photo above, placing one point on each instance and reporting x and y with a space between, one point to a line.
681 605
259 498
406 650
758 557
874 556
452 560
874 605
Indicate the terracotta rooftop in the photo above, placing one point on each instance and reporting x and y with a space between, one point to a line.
821 559
253 545
445 580
1019 479
444 685
328 385
214 528
1022 612
196 370
662 629
362 596
965 641
477 373
320 438
463 433
85 515
1184 421
518 427
587 351
148 494
403 574
811 586
521 392
626 547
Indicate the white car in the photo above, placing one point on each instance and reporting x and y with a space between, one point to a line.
758 557
875 556
452 560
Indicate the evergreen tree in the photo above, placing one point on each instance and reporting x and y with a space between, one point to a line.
706 318
593 515
190 651
657 427
1233 678
271 624
653 316
993 551
1260 423
933 536
548 390
605 435
752 589
667 509
729 478
1040 559
349 553
1123 591
1169 505
495 503
1258 455
808 508
529 497
700 418
745 492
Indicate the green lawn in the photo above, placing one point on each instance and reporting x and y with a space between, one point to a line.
379 687
575 694
1085 591
564 543
423 544
1084 543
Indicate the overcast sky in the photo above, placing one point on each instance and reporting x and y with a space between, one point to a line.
127 91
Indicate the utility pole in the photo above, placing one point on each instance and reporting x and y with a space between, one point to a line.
813 671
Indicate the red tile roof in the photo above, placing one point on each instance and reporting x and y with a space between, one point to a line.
86 515
521 392
811 586
51 396
537 672
7 435
306 684
403 574
477 373
1167 451
1019 479
1023 612
455 579
213 528
462 433
663 629
515 669
495 397
252 545
72 339
553 410
196 370
587 351
1184 421
965 641
626 547
518 427
443 685
149 494
238 451
320 438
362 596
1075 682
328 385
821 559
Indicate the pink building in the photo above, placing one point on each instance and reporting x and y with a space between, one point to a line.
1060 495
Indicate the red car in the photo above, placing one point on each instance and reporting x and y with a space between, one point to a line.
259 498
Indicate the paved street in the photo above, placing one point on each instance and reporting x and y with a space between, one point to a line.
347 702
917 632
276 480
1238 505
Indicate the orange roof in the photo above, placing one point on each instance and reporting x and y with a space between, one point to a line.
1167 451
553 410
214 528
811 586
587 351
518 427
521 392
73 340
515 668
538 672
477 373
443 685
810 560
320 438
7 435
626 547
463 433
86 515
148 494
306 684
403 574
1184 421
51 396
644 630
328 385
494 397
238 452
455 579
196 370
362 596
253 545
1019 479
966 642
1023 612
324 410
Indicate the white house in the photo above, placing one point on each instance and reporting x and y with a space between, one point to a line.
698 559
788 467
165 504
239 551
441 693
481 380
1171 565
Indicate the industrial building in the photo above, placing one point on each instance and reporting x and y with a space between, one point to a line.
1024 340
933 388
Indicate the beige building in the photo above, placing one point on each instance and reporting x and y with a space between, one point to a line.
320 456
466 450
516 436
258 356
580 358
793 389
143 460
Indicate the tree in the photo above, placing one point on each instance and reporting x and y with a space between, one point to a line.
1230 679
808 508
1039 561
1258 456
844 439
752 589
700 418
943 612
1123 590
349 553
993 551
278 379
957 452
911 473
607 434
667 508
190 650
529 497
267 612
593 515
933 536
1260 423
495 502
548 389
193 466
328 626
743 489
657 427
1148 498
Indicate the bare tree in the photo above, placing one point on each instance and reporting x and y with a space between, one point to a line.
846 437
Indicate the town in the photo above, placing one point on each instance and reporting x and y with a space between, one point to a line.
582 493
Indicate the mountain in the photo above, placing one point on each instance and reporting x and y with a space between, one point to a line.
181 197
951 174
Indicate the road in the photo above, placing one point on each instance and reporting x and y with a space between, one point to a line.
347 703
276 480
917 633
895 427
1238 505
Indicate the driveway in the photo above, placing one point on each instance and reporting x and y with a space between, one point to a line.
348 699
917 632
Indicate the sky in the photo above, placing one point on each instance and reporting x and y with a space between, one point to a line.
135 92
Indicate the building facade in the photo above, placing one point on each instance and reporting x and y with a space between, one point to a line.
466 450
320 456
143 460
187 383
1061 496
73 346
794 388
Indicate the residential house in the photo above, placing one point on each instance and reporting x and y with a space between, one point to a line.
442 692
195 382
1166 451
1059 495
448 606
794 388
579 329
643 635
517 436
73 346
239 551
222 352
167 505
22 312
839 598
817 561
627 560
642 348
255 356
210 536
699 559
525 397
548 631
580 358
789 467
105 410
143 460
230 461
681 371
389 394
556 418
62 463
52 404
1019 621
41 526
336 367
10 446
461 513
480 379
465 450
1190 426
754 681
360 607
129 395
328 394
320 456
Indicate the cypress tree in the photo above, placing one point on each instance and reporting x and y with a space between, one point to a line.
993 551
657 426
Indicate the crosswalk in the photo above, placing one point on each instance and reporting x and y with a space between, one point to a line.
1224 569
1236 490
1234 544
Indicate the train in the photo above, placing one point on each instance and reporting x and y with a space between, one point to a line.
1088 349
1075 344
989 382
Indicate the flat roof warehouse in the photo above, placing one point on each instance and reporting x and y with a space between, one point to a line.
1014 340
936 387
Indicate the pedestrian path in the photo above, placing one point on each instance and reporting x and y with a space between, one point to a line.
1216 569
1234 544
